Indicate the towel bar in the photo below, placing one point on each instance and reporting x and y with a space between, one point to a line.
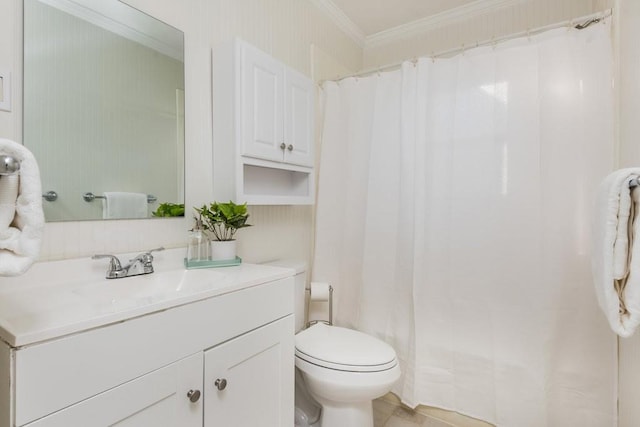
634 182
90 197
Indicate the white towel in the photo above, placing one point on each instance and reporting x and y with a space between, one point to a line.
9 185
21 222
120 205
616 253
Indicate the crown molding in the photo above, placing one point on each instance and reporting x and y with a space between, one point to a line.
124 20
420 26
341 20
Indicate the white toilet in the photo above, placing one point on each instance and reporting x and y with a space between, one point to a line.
342 369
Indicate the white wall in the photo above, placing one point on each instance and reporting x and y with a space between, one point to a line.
291 30
455 31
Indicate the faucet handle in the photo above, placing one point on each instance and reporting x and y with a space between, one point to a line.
114 264
146 257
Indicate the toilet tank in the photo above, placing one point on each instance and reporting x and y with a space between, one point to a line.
300 278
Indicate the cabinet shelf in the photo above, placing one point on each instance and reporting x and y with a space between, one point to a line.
265 185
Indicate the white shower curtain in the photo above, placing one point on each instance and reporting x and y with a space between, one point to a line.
453 221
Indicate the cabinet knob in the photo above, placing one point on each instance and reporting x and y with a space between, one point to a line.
283 146
290 147
193 395
220 383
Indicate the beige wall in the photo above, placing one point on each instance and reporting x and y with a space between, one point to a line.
629 81
628 32
293 31
299 35
11 59
518 17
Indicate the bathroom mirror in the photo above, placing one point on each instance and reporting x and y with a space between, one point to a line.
103 105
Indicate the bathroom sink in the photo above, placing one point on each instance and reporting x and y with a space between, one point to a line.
36 312
150 288
64 297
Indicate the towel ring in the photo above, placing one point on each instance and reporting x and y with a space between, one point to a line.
50 196
9 165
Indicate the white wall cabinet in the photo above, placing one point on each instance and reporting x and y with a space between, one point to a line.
149 370
276 121
263 125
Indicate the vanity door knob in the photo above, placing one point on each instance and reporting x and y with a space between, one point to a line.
193 395
220 383
283 146
290 147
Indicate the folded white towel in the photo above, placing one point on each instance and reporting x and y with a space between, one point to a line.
120 205
616 253
21 221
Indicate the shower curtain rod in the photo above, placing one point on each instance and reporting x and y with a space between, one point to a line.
586 21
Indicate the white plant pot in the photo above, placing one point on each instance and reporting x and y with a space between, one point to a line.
223 250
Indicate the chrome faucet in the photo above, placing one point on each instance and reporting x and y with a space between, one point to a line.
141 264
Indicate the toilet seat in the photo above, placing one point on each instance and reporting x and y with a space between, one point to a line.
343 349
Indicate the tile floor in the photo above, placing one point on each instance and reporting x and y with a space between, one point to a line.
387 413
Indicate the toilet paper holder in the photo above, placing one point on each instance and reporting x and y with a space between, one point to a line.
327 322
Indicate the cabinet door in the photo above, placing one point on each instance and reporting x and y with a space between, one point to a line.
249 381
157 399
298 119
261 105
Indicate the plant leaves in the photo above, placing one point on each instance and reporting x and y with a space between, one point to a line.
224 219
169 210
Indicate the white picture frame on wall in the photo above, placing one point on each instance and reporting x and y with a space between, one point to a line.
5 90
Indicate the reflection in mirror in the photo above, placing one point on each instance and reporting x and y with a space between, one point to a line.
103 107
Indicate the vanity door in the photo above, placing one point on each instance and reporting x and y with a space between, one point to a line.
249 380
169 396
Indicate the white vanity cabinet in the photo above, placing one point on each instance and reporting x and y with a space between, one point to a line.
160 368
263 124
248 378
154 399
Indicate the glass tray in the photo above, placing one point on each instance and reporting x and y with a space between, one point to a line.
212 264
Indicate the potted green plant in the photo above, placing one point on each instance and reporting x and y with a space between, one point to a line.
223 220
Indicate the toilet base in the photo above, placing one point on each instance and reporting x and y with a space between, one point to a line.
358 414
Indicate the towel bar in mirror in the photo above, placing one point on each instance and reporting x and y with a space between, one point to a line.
90 197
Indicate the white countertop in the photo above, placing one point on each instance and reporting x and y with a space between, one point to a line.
64 297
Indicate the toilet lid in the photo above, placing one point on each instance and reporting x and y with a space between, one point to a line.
344 349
